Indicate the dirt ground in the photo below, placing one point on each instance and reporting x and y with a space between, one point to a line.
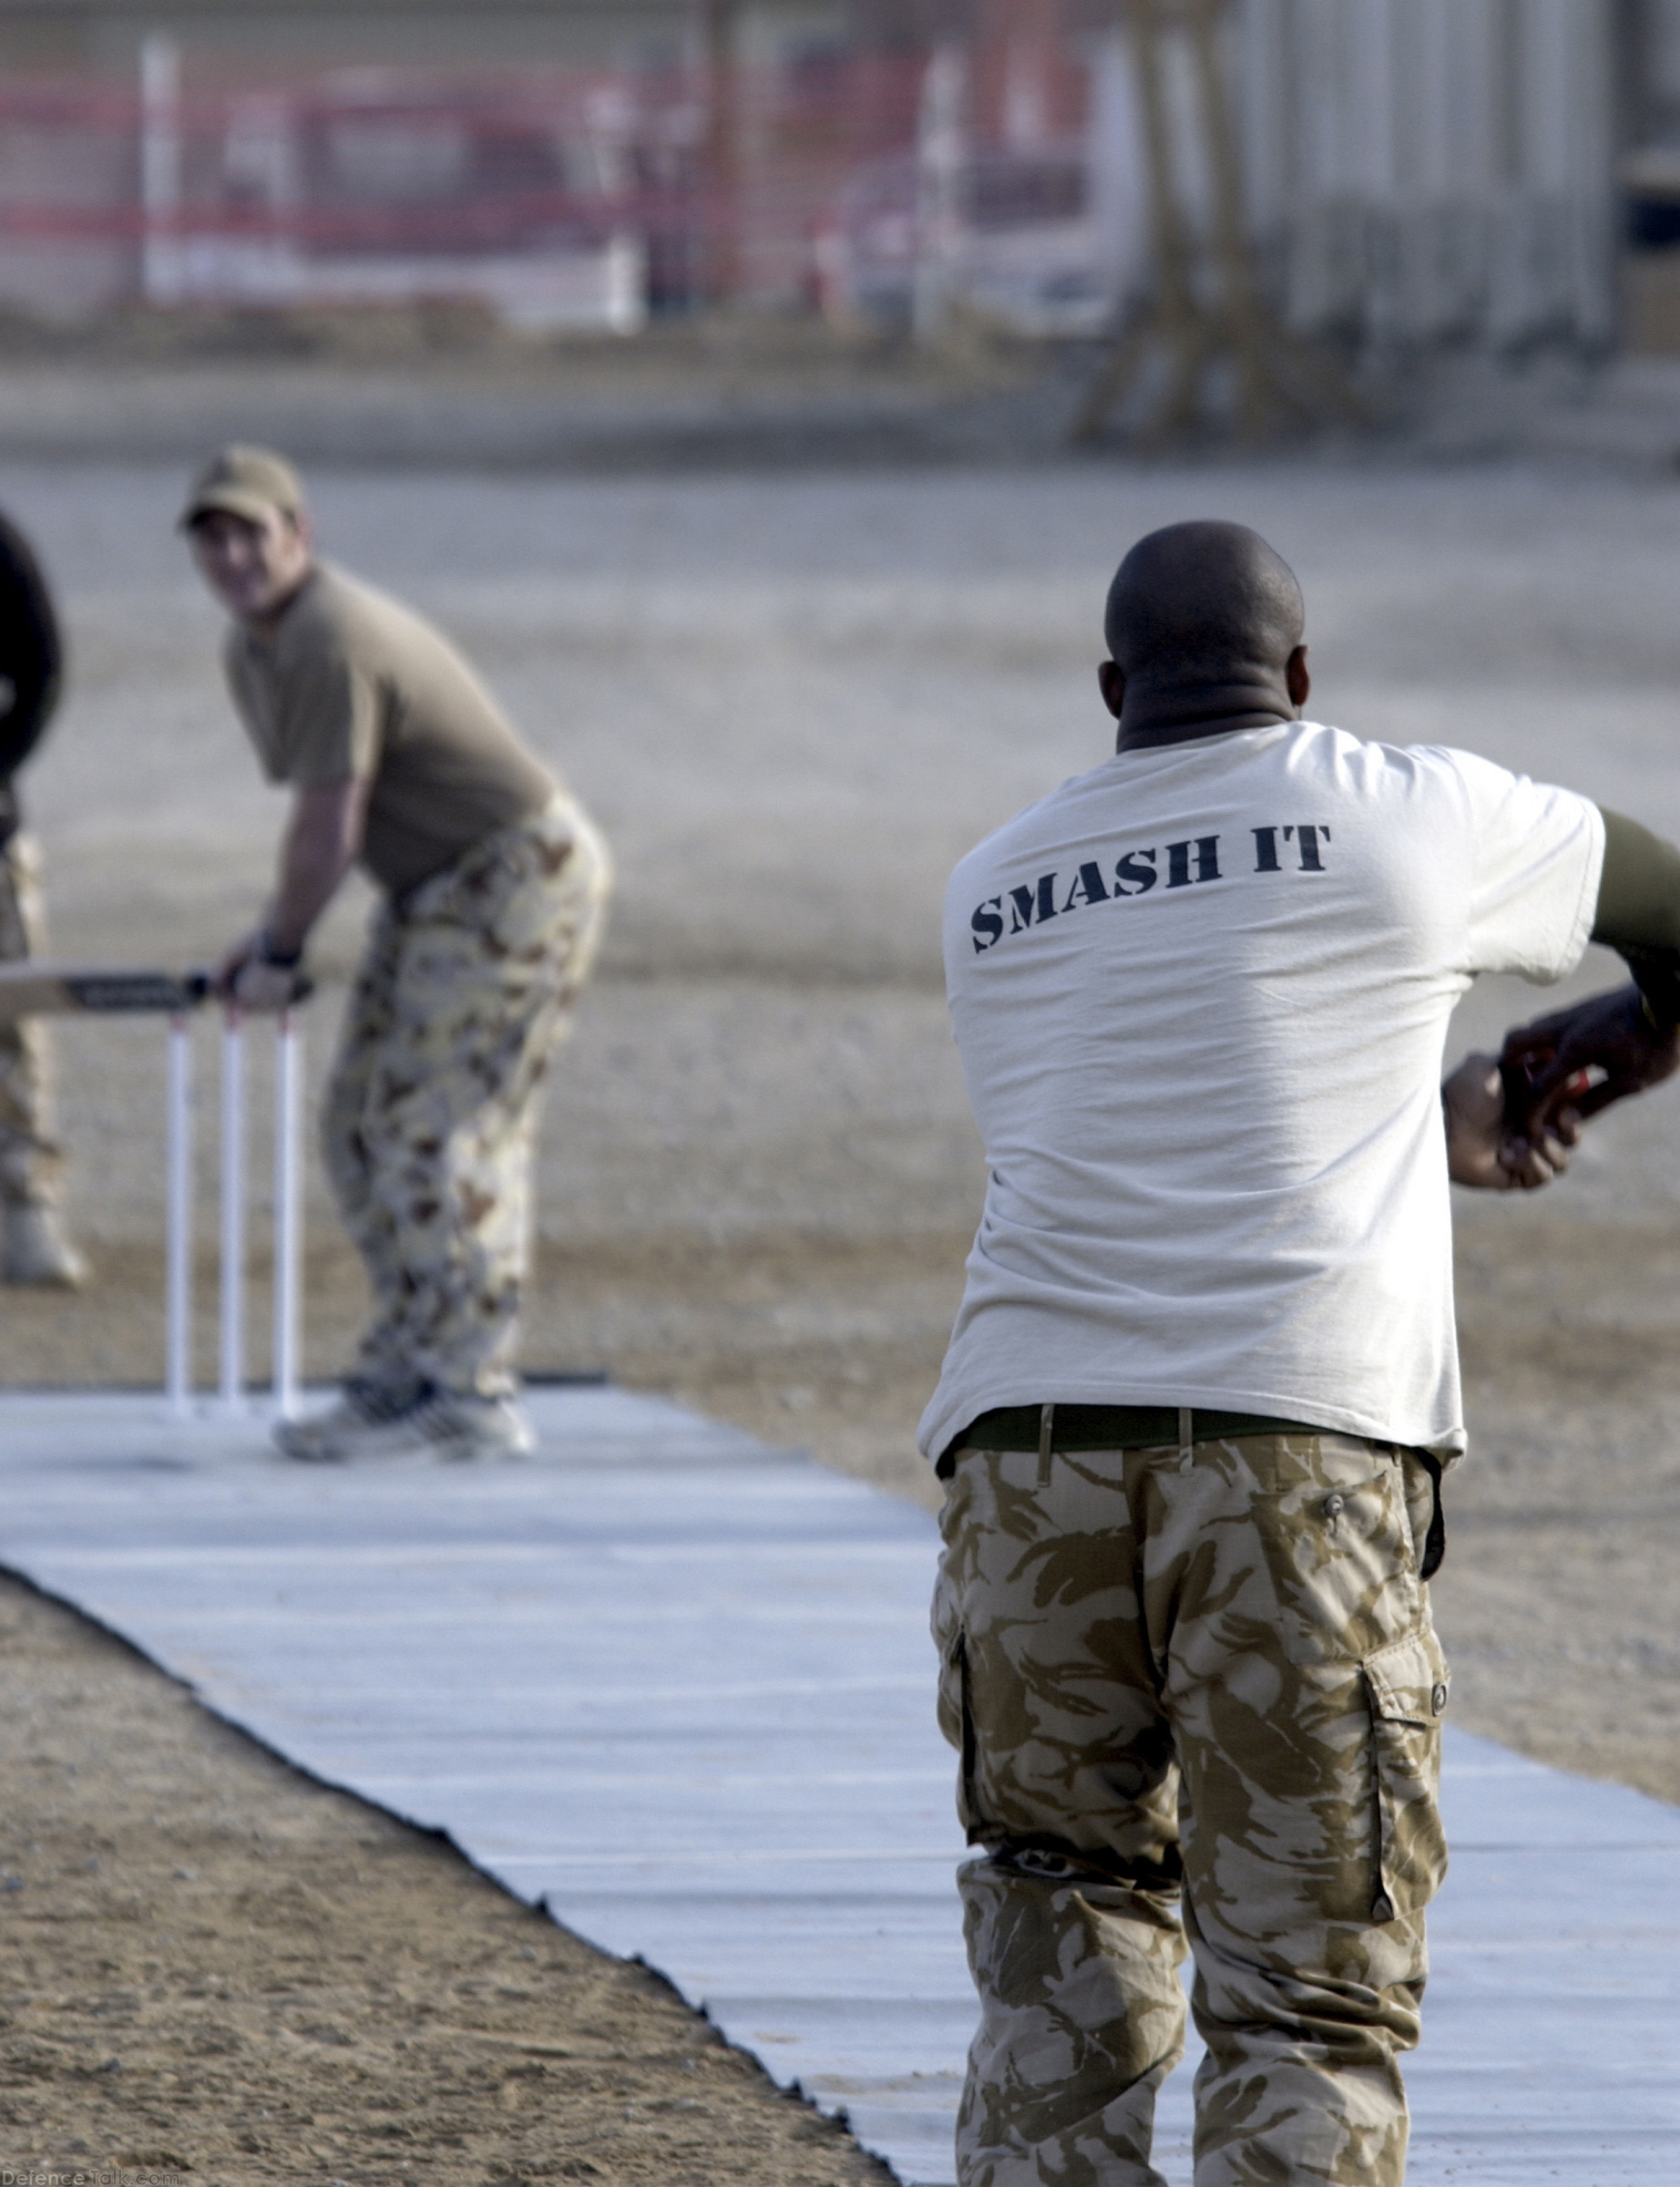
792 700
219 1970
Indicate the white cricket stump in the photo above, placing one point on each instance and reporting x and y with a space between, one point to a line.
231 1348
178 1222
287 1211
233 1402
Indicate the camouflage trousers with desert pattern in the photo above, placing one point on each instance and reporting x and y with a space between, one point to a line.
428 1130
1196 1693
29 1158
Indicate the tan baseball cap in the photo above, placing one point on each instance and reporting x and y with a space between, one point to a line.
244 482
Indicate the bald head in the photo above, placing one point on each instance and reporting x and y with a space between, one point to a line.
1204 624
1197 600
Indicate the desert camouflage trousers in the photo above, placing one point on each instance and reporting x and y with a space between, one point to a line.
429 1124
1195 1692
29 1158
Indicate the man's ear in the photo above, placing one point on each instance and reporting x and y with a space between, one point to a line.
1296 679
1111 684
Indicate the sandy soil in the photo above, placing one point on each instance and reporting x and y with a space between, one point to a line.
218 1970
794 700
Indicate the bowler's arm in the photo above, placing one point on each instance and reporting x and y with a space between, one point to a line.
1626 1039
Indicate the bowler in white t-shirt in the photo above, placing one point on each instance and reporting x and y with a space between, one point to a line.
1204 1378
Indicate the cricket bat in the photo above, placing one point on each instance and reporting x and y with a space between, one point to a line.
37 990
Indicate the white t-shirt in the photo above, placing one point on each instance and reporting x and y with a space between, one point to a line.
1201 996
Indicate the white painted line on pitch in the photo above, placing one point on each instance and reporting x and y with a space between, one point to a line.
680 1686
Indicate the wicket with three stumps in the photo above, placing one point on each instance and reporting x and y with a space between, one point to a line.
288 1216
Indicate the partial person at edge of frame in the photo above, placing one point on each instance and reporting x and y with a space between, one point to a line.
495 886
1204 1382
35 1248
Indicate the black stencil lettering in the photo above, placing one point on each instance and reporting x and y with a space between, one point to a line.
1088 888
1034 904
1266 851
1206 849
1026 904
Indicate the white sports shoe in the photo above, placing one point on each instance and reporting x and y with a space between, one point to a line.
38 1252
469 1426
372 1420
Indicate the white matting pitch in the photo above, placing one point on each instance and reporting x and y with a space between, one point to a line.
680 1687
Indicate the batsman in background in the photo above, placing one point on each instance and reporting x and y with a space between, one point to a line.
495 886
35 1249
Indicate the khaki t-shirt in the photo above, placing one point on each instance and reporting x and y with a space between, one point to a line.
353 685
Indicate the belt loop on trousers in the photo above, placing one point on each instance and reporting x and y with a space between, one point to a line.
1186 1437
1047 1424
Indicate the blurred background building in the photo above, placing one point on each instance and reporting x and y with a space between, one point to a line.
1503 172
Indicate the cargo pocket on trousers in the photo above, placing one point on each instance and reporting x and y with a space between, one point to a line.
1406 1683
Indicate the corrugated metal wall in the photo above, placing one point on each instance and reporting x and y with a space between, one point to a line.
1421 171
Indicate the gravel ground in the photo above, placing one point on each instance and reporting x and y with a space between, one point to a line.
794 700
